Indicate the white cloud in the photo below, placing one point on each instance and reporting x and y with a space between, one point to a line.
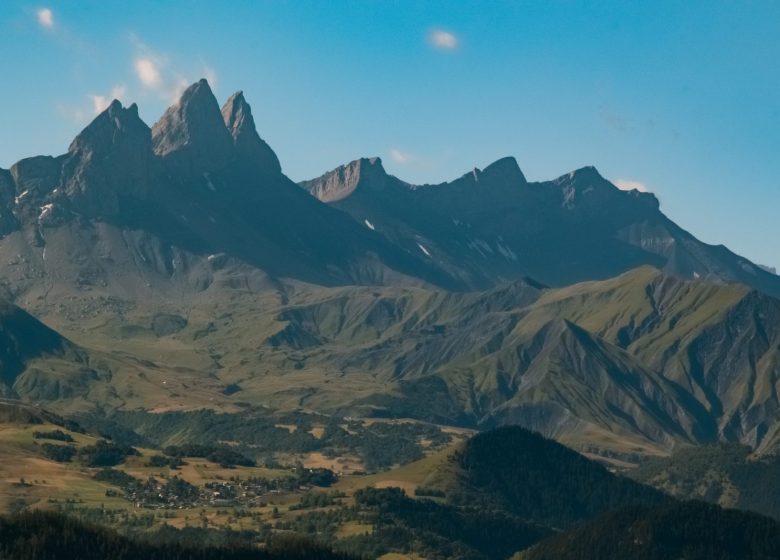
443 40
629 185
402 158
148 73
45 18
156 74
101 102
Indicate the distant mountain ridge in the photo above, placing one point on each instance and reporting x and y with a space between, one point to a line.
202 182
491 225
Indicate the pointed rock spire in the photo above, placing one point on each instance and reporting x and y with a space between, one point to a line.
506 170
109 160
237 115
191 136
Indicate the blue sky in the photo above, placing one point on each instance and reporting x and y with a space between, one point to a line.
682 98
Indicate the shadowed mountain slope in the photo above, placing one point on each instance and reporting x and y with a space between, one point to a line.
645 357
493 224
691 530
134 212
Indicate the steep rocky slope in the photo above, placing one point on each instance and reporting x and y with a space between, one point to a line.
644 357
138 213
493 224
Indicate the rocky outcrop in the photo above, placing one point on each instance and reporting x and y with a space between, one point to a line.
109 161
341 182
191 137
237 115
36 176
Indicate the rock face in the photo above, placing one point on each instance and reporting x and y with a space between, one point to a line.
7 202
191 137
491 225
195 185
109 161
342 181
36 176
238 118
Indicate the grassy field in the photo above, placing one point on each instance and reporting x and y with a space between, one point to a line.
30 480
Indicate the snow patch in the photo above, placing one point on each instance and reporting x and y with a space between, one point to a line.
209 183
482 246
369 225
46 211
424 250
506 252
747 268
21 197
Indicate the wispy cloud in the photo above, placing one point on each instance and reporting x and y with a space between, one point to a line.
93 104
101 102
443 40
156 74
400 157
45 18
148 73
629 185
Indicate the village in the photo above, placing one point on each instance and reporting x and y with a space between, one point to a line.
172 492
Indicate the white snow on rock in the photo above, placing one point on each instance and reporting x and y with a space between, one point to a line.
46 211
506 252
21 197
209 183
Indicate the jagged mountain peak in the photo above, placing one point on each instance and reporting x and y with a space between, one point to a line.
505 170
191 136
341 182
109 127
237 115
586 184
586 173
109 160
502 173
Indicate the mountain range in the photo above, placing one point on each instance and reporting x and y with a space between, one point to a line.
492 225
179 268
